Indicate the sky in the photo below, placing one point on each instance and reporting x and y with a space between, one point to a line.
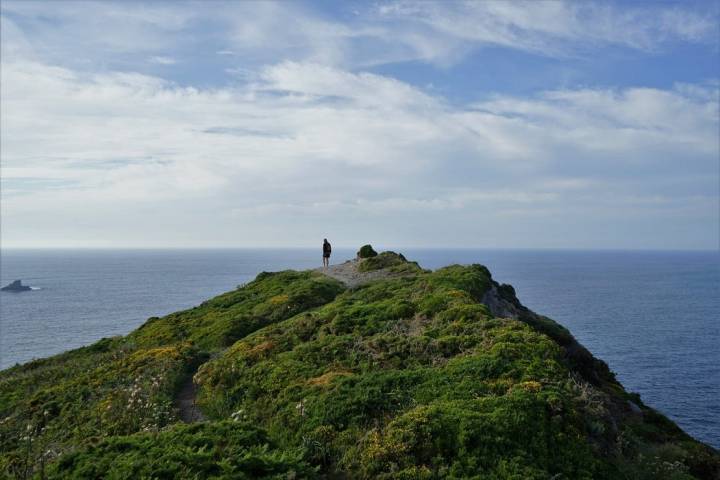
486 124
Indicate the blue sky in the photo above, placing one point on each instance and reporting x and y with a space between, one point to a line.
499 124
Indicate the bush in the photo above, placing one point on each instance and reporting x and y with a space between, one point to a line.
366 251
221 450
378 262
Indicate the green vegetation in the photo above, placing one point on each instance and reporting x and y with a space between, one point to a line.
222 320
120 386
384 260
408 376
366 251
208 450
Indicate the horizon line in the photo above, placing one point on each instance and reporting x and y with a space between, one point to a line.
346 247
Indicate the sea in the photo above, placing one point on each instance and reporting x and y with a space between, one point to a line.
653 316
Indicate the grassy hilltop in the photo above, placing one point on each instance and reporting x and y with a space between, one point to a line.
412 374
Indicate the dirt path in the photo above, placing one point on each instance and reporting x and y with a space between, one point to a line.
347 273
185 402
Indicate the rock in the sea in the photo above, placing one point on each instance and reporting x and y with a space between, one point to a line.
16 286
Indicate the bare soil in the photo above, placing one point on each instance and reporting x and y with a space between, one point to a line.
185 402
348 273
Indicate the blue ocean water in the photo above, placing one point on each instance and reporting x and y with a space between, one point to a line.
654 317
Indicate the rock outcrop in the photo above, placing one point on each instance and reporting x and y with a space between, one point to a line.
15 286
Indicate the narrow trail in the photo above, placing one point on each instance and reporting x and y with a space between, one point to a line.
348 273
185 401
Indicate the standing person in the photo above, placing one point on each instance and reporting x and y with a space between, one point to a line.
327 249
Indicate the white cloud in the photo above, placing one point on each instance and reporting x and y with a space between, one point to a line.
547 27
85 32
162 60
267 32
304 144
327 82
649 119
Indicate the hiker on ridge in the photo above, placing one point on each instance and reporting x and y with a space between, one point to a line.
327 249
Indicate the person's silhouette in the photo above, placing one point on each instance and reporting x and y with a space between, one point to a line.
327 249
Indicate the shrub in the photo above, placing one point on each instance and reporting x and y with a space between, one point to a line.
217 323
366 251
220 450
378 262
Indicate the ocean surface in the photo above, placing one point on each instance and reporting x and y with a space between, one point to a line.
654 317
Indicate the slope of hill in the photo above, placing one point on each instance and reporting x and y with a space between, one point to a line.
384 371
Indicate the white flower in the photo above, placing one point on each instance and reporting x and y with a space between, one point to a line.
239 415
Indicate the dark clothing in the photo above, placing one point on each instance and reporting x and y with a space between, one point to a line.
327 249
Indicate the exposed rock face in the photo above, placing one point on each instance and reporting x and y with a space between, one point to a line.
15 286
503 302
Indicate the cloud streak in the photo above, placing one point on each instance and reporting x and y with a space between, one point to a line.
551 28
261 32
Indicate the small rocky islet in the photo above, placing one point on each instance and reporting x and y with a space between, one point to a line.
15 286
372 368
